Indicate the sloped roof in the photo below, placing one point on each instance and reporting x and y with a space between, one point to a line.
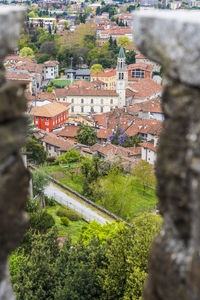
121 53
145 88
49 110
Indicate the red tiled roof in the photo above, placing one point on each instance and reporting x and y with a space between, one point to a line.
140 65
100 119
80 84
145 88
51 63
148 146
45 96
140 56
68 131
60 93
104 133
49 110
91 92
18 77
110 73
113 150
144 126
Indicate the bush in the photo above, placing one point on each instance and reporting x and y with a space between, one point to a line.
69 213
41 221
69 157
64 221
50 201
32 205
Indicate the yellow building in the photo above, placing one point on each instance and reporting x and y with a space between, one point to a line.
108 78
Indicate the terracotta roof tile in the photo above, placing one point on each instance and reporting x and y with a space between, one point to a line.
91 92
68 131
104 133
49 110
145 88
148 146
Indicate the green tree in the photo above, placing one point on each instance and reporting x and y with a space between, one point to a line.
123 41
126 268
86 135
96 68
26 52
38 154
145 175
69 157
33 275
40 181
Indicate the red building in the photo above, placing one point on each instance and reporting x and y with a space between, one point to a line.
139 70
50 116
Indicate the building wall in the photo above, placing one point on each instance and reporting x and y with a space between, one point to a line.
148 155
110 82
151 115
83 104
47 124
51 150
50 72
156 66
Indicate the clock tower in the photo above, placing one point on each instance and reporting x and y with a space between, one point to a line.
121 77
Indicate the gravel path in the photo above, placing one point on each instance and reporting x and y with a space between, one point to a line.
84 210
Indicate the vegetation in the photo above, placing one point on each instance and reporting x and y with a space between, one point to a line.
118 137
96 68
69 157
88 269
37 152
105 183
86 135
26 52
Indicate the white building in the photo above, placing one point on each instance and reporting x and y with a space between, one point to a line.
50 70
149 153
86 101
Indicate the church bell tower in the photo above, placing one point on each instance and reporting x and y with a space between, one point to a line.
121 77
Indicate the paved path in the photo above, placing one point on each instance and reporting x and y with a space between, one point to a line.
84 210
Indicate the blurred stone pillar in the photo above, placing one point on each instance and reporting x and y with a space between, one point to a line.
14 178
173 40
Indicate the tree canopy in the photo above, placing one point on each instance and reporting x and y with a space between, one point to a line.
26 52
86 135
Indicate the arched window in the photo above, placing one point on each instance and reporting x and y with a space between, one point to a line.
119 76
92 101
122 75
82 100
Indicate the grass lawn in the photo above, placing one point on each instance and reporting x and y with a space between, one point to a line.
72 230
140 201
60 82
72 181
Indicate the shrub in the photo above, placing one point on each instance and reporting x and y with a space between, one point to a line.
50 201
69 157
69 213
41 221
64 221
32 205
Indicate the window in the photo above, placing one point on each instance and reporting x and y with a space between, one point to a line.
36 122
137 73
119 76
111 101
72 109
72 101
47 119
101 108
92 109
101 101
41 118
47 129
82 100
82 109
122 75
92 101
47 123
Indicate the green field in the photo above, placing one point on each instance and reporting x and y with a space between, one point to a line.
127 186
72 230
59 83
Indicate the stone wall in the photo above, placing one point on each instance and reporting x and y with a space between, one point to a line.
14 178
172 39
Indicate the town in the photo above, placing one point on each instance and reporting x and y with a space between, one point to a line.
87 119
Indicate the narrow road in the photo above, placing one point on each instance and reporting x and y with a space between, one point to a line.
84 210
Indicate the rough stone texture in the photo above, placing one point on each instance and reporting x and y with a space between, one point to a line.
171 38
174 267
14 178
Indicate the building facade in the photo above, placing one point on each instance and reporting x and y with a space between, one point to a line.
50 116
